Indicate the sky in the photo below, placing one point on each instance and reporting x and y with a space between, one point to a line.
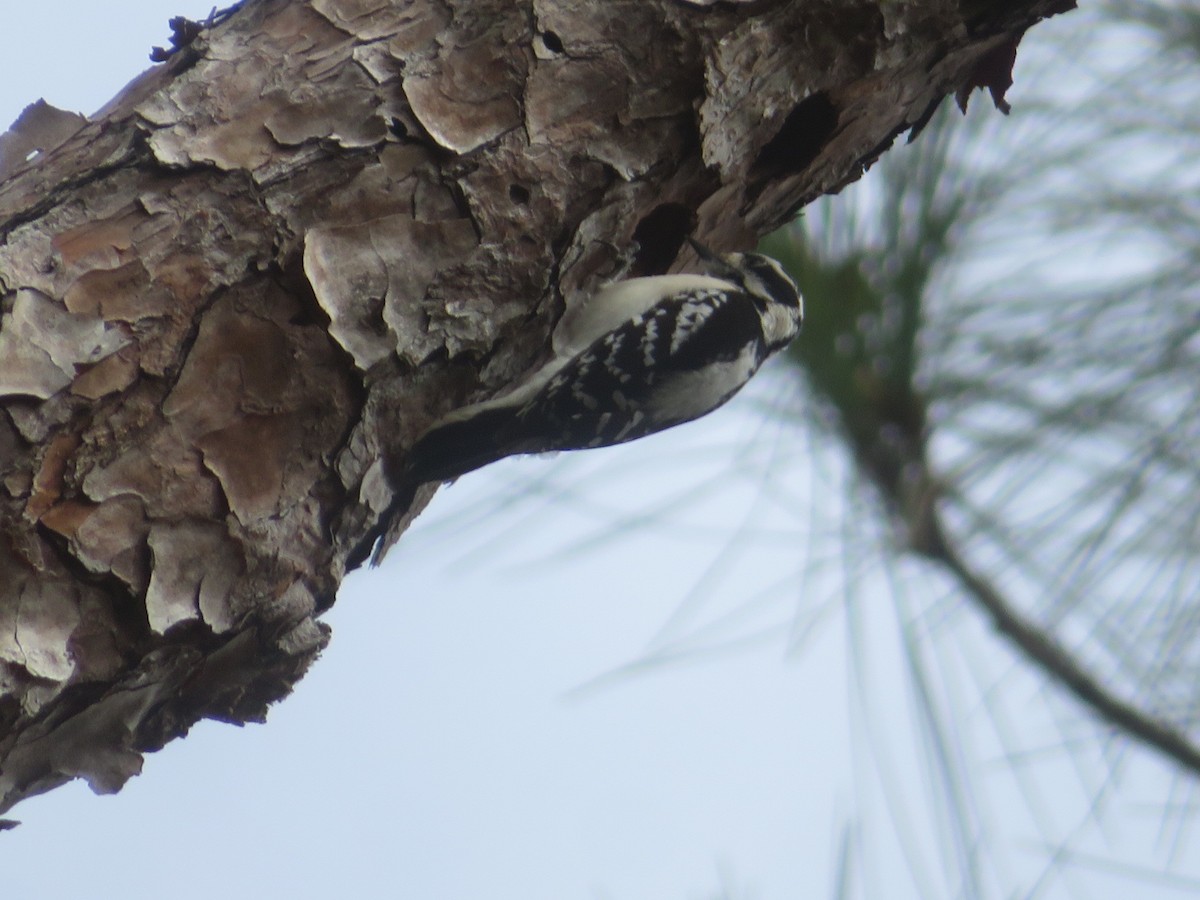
545 693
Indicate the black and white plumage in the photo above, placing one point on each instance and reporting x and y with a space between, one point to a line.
638 357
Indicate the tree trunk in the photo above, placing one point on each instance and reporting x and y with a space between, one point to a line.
316 227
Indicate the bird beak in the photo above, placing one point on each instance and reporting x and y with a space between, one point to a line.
718 265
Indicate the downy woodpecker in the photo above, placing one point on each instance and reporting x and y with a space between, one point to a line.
639 356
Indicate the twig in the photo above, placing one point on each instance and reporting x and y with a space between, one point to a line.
184 31
1040 648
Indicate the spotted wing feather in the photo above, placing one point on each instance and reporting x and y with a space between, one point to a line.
692 352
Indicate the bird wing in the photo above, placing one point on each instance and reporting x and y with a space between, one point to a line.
680 359
622 301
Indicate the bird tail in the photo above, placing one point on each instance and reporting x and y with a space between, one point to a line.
457 446
460 443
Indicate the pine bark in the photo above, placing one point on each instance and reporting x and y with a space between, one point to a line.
317 226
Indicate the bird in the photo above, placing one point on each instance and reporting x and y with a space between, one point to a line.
639 356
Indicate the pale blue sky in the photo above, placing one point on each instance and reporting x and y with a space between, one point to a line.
475 768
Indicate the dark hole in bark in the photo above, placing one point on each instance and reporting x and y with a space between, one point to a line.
659 236
518 193
803 133
552 41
